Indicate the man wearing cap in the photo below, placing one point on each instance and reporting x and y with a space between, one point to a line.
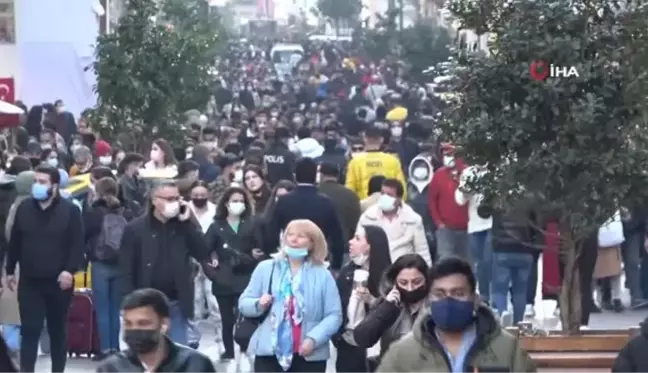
450 218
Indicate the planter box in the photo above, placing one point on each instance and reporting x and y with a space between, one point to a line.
592 350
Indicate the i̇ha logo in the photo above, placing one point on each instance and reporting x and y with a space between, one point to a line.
541 70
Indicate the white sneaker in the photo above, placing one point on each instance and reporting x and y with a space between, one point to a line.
507 319
232 366
529 311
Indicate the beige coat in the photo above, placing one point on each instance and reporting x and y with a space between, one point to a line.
405 233
369 201
608 262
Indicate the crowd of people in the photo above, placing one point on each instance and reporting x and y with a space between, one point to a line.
296 214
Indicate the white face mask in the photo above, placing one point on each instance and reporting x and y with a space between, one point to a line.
105 160
236 208
238 176
397 131
449 161
53 162
420 173
360 259
171 209
386 203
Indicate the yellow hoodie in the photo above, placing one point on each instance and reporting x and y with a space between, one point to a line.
364 166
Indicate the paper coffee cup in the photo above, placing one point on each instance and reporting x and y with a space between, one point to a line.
360 276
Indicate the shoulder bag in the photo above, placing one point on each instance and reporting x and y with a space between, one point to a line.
246 326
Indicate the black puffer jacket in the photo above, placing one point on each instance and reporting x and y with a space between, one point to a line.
632 357
234 253
513 231
386 322
179 359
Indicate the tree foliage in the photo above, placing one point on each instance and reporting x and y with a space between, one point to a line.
419 46
340 10
573 145
155 66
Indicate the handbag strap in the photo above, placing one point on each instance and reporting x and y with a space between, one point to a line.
271 276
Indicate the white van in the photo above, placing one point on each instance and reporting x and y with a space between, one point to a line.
285 57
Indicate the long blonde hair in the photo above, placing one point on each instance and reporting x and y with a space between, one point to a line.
318 250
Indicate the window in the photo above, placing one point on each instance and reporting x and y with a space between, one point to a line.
7 22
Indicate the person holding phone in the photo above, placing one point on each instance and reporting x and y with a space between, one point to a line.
456 332
404 290
155 253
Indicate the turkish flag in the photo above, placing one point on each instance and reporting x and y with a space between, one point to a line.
8 94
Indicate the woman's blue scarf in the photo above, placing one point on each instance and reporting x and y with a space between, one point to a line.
291 288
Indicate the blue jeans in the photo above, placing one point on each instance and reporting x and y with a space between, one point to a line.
106 297
511 269
178 330
482 255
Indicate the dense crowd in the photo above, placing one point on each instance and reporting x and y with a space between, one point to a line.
298 211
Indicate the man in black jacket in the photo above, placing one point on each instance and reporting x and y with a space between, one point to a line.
155 253
346 202
279 160
47 241
147 315
333 153
306 202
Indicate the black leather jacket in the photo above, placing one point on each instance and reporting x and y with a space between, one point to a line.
179 359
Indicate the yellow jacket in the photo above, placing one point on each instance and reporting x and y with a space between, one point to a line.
364 166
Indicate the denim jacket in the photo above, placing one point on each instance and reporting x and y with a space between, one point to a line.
322 316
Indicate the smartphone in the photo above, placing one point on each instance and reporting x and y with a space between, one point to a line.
183 209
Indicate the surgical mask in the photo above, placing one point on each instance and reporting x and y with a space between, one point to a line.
397 131
238 176
53 162
420 173
386 203
188 155
360 260
452 315
236 208
40 192
449 161
295 253
105 160
413 296
142 341
46 146
171 209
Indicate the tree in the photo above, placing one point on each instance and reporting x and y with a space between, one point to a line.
424 45
155 66
339 11
574 147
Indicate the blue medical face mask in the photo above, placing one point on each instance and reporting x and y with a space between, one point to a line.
40 192
295 253
452 315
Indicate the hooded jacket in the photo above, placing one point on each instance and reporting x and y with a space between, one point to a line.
494 349
632 357
417 189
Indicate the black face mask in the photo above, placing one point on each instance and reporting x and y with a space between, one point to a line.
330 144
413 296
199 202
142 341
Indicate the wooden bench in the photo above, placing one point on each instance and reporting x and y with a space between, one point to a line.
592 350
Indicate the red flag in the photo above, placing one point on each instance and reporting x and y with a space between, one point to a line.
8 94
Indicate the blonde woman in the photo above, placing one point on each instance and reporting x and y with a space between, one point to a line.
303 300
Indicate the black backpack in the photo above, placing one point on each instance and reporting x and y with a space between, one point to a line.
109 241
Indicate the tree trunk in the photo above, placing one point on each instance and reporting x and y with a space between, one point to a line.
570 296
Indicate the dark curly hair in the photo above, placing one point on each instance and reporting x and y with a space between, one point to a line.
221 207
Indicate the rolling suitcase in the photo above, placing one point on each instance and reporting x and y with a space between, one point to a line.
82 332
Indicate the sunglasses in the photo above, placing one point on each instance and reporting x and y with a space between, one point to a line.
357 148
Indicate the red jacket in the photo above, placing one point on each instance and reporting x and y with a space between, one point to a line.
441 199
